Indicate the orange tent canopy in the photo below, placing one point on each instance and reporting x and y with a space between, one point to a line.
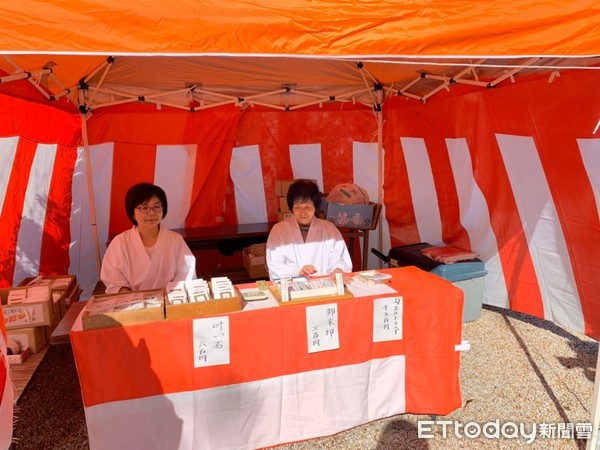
303 27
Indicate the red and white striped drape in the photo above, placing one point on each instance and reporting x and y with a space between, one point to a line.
512 173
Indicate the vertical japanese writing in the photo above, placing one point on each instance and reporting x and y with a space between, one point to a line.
211 341
387 319
322 328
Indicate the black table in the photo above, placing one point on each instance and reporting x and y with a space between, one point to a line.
231 238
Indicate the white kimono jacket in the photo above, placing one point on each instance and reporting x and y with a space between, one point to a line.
126 262
324 248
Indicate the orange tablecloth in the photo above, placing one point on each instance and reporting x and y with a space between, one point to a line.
150 366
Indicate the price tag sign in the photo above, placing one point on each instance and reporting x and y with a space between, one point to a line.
211 341
322 328
387 319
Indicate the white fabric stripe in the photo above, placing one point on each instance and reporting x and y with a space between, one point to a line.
256 414
8 150
475 218
365 168
82 252
306 162
247 176
29 240
542 228
174 172
422 189
6 400
590 153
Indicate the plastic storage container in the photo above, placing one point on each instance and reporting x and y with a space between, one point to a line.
467 275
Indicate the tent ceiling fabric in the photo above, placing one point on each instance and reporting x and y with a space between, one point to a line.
261 80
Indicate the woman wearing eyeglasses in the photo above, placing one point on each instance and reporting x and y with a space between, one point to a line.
148 255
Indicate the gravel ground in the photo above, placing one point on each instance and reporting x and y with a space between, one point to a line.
520 369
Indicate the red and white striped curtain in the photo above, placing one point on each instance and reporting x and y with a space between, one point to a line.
512 173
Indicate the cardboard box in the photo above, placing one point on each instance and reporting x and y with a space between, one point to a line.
204 308
56 317
23 315
256 266
363 217
92 320
283 186
283 206
34 338
66 283
20 358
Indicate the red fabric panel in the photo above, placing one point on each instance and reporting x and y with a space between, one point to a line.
157 358
40 123
420 123
397 198
56 239
556 116
143 127
132 163
12 211
335 127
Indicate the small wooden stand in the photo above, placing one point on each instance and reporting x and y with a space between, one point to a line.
302 301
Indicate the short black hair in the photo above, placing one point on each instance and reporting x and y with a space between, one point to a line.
304 190
140 193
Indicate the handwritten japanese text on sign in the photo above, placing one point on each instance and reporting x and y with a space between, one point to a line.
387 319
211 341
322 328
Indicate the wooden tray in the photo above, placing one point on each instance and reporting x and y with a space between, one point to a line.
302 301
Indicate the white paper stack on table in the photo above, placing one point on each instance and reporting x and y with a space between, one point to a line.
222 288
197 290
124 302
28 295
372 277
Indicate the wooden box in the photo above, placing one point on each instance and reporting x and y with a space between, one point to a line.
363 217
27 314
306 300
93 317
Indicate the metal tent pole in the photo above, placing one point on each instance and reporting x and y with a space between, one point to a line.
592 443
88 169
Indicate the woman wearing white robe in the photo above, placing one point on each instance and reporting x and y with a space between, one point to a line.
304 245
147 256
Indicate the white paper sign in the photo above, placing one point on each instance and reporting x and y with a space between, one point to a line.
322 328
387 319
211 341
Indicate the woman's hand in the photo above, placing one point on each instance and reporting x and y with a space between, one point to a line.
308 270
124 289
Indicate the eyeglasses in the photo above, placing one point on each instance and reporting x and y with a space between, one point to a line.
144 209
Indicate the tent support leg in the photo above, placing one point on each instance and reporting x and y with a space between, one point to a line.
592 443
380 175
88 169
